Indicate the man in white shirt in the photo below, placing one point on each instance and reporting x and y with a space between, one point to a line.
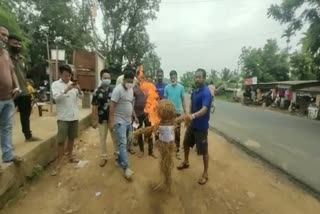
65 94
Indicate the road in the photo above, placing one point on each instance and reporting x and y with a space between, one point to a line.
289 142
232 187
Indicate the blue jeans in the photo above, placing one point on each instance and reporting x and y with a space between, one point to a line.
123 135
6 122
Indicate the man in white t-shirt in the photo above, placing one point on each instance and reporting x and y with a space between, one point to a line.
65 94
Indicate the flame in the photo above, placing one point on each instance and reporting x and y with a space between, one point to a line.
152 97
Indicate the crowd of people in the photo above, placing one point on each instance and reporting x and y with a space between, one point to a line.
117 110
122 109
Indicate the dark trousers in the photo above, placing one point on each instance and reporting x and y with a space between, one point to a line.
177 133
24 106
143 119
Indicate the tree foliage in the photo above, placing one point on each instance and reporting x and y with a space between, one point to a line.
187 79
298 13
9 20
64 23
151 63
124 25
302 66
269 63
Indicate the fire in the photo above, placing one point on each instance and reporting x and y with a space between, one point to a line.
152 97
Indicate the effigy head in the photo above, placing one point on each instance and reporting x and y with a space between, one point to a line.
166 110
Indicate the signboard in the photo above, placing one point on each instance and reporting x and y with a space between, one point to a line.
251 81
61 55
254 80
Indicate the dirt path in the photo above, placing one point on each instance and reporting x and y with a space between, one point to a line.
238 184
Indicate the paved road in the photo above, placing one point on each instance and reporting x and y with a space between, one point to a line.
290 142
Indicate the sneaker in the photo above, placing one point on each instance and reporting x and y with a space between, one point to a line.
128 173
16 160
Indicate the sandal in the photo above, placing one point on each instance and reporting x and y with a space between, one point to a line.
54 172
153 155
103 162
131 151
203 180
74 160
183 165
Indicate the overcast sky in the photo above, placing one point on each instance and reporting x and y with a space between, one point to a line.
210 33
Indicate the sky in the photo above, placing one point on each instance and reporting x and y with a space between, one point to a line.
191 34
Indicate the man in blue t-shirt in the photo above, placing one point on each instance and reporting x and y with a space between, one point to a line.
197 132
160 85
175 93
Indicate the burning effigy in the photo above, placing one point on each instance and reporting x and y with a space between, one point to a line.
162 115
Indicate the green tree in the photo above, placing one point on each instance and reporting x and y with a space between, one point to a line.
187 79
151 62
124 25
302 66
9 20
298 13
269 63
213 76
64 23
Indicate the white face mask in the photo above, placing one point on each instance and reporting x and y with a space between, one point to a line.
105 82
129 85
3 45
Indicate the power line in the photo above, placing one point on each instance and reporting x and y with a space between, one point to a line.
188 2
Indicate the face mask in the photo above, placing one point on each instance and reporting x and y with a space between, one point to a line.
129 85
2 44
106 82
15 50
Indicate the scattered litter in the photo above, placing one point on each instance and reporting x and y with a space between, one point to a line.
251 195
98 194
82 163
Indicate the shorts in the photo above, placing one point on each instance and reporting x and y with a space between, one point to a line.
67 130
196 137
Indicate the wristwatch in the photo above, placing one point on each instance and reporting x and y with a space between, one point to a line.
193 116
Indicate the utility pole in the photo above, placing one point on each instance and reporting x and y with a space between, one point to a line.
93 21
57 60
50 74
